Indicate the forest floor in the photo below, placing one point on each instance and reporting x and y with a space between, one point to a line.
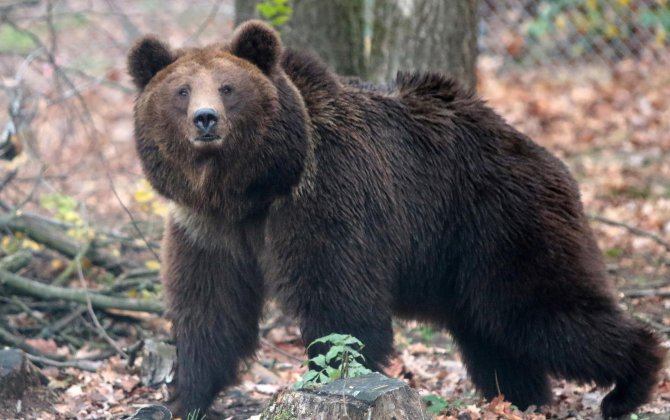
611 126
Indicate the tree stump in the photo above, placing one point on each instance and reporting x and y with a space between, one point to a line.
16 374
367 397
152 412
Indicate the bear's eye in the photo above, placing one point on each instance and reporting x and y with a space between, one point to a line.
183 91
226 89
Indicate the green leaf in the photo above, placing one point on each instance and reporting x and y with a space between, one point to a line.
352 353
276 12
358 370
307 379
266 10
349 339
333 373
319 360
335 353
436 404
280 20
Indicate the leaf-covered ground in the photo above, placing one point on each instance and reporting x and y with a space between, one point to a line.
611 126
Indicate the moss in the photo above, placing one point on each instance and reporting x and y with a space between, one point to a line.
283 413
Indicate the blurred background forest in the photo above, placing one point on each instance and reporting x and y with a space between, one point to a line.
80 228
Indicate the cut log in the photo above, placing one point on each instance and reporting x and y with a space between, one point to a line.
367 397
16 374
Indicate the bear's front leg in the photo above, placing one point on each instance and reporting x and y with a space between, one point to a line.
214 299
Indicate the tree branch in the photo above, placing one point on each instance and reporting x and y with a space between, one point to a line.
87 365
55 239
632 229
45 291
91 312
638 293
16 261
20 342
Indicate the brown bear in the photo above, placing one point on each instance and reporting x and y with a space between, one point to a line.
350 204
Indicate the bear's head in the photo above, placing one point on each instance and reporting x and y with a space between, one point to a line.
218 122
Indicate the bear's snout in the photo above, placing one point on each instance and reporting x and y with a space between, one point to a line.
205 120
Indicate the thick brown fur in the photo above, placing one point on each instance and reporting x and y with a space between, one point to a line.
352 203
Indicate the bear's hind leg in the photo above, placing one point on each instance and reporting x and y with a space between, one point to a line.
636 376
602 347
494 371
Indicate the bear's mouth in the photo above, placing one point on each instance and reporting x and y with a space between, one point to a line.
207 142
206 139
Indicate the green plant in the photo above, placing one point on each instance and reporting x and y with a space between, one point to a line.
614 252
427 333
341 361
437 405
276 12
65 208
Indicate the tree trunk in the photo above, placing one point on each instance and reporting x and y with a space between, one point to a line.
374 39
333 29
424 35
245 10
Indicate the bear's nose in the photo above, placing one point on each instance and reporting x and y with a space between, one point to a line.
205 119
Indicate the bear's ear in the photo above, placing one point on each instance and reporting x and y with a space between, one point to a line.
146 58
257 42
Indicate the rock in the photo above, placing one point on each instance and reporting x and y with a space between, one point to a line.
367 397
158 363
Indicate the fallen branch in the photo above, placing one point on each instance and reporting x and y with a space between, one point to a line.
267 343
61 323
55 239
45 291
638 293
87 365
15 261
6 8
76 261
632 229
101 330
20 342
661 328
112 235
10 175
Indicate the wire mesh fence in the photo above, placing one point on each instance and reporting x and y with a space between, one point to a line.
550 32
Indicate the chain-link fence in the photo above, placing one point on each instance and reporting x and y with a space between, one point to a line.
550 32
